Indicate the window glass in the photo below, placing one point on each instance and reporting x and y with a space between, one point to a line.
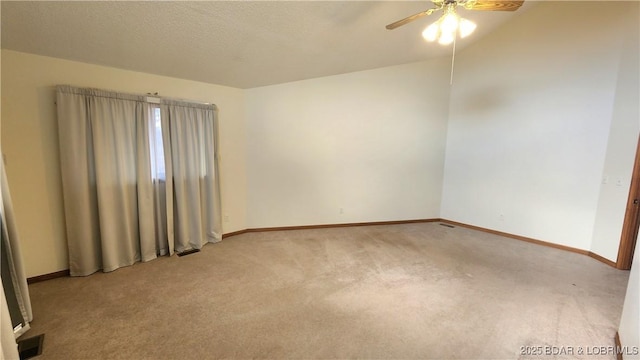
156 144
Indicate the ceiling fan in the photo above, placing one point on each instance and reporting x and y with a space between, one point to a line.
446 28
450 5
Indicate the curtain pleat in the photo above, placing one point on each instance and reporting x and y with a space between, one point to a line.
169 200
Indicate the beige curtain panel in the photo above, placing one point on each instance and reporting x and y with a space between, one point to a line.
193 173
14 279
117 210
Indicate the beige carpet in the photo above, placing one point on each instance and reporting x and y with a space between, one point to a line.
397 291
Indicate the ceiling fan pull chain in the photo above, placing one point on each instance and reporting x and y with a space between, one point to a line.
453 59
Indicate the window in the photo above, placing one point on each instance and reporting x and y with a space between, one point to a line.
156 144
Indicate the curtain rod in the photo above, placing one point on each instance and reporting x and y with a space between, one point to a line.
152 98
157 100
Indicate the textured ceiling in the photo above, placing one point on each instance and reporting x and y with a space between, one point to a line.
241 44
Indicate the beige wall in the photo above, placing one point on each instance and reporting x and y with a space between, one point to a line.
30 144
623 137
358 147
532 109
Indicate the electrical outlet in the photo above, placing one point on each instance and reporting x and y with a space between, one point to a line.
501 217
341 211
226 218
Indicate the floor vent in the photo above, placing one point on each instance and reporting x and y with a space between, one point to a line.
447 225
30 347
188 252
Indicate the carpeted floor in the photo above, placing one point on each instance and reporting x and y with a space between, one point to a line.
395 291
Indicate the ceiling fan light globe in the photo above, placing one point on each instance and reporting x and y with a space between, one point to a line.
446 38
466 27
449 22
431 32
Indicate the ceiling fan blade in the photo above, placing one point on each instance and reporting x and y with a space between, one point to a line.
494 5
409 19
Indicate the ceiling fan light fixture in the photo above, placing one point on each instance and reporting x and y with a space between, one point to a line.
466 27
449 6
447 27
